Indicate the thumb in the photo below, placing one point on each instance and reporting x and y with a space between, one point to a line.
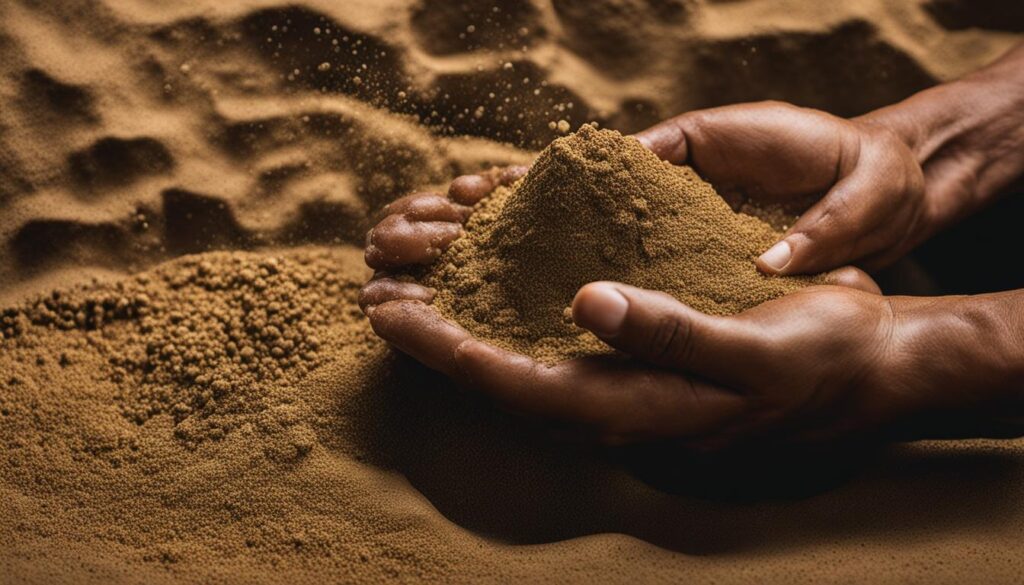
657 328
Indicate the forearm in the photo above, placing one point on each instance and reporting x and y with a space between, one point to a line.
962 359
968 136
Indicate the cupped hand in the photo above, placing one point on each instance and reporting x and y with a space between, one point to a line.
859 188
812 366
650 394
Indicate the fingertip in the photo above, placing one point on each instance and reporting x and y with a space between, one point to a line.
777 259
601 308
384 318
429 206
383 290
418 330
469 189
517 382
372 256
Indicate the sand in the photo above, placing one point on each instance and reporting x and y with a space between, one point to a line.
156 158
597 205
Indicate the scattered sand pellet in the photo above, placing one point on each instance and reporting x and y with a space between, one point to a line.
199 340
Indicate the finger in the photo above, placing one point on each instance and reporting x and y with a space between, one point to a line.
825 237
852 277
419 331
510 175
830 234
767 151
399 241
667 140
469 189
384 290
856 218
428 207
620 401
658 329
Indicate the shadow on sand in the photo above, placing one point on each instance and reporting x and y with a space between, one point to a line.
495 475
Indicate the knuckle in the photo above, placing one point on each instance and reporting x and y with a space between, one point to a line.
365 297
695 124
670 340
512 174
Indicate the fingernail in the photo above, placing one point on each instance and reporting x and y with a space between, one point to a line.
777 257
602 309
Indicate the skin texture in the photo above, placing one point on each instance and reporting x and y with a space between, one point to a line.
823 364
778 153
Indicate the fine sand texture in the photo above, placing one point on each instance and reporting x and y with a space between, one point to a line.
189 393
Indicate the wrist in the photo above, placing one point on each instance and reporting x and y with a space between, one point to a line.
968 136
961 359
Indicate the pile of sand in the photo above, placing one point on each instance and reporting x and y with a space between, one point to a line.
598 206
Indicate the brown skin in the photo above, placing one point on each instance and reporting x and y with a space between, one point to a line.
821 364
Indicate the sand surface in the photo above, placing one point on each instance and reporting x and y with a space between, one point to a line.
174 168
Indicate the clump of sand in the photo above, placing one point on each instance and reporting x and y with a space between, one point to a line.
599 206
203 341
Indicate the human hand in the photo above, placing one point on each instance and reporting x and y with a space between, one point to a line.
823 362
858 186
813 365
416 230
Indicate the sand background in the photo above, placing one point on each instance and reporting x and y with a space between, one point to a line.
135 132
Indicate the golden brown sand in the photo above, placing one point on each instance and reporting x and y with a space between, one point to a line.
598 206
137 446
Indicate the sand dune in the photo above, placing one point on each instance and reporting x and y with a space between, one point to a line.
157 158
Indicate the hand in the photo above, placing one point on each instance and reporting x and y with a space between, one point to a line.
418 227
968 135
858 186
814 365
589 392
823 362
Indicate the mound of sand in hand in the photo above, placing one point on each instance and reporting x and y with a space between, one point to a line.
598 206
